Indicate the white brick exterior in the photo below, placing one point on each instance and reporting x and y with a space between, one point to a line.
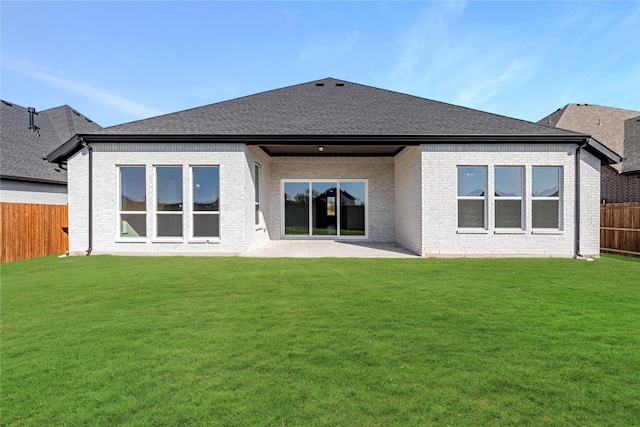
409 204
441 236
236 198
12 191
412 198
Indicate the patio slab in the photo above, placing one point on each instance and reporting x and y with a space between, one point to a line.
330 249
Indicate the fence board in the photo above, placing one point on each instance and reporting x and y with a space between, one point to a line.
620 228
31 230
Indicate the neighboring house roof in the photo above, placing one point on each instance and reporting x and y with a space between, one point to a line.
631 152
328 111
616 128
24 150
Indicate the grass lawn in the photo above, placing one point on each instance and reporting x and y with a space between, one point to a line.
301 342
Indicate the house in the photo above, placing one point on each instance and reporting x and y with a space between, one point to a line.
33 192
618 130
27 137
439 179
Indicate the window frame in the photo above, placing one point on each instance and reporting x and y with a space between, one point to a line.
194 213
459 198
310 235
157 212
257 181
120 236
521 198
558 198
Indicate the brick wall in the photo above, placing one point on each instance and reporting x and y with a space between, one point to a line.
411 199
12 191
618 188
234 179
408 200
441 236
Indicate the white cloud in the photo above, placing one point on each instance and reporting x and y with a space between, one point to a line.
100 96
441 58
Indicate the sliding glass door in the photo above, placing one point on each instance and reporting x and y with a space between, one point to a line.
336 208
296 208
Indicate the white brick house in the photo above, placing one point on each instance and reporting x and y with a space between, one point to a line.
334 160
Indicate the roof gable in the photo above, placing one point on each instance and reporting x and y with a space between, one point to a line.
331 107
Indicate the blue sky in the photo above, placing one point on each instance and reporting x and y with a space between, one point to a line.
117 62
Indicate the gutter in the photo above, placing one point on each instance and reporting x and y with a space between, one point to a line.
85 144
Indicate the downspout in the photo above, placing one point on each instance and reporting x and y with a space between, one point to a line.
84 144
576 211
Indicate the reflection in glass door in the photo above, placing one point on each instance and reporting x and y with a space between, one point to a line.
324 212
296 208
352 206
336 208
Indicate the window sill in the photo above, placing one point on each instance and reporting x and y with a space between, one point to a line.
167 240
131 240
510 231
259 227
547 231
472 231
210 240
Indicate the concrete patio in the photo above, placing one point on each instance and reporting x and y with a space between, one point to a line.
330 249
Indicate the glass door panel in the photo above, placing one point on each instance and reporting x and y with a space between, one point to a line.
324 209
296 208
352 208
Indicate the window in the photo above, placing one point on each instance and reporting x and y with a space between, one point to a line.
325 208
508 197
206 201
545 203
352 208
257 171
296 208
169 201
133 201
472 190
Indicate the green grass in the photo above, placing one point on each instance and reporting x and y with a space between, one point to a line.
301 342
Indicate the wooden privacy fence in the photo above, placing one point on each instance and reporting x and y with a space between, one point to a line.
620 228
30 230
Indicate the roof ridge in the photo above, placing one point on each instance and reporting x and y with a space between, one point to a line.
602 106
210 104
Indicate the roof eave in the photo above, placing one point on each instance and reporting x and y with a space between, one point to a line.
71 147
28 179
65 151
606 156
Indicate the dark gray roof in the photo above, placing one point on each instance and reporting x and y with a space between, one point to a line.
331 107
23 150
352 119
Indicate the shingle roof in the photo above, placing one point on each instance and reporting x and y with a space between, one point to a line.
331 107
23 150
631 162
606 124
